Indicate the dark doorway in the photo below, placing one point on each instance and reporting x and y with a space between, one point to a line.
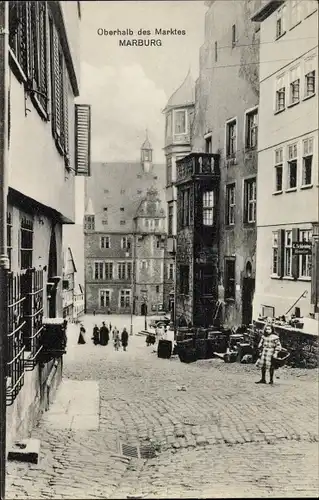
52 271
144 310
247 300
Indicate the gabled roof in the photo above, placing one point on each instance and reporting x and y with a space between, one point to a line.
150 206
184 95
69 264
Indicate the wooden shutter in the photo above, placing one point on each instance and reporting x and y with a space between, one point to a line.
295 258
66 111
82 139
43 76
281 252
55 82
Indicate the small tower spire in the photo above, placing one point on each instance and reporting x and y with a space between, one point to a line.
146 153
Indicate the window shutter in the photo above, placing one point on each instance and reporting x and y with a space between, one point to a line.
82 139
55 81
315 274
281 252
295 258
43 76
66 111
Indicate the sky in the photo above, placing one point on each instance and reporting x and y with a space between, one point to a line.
128 87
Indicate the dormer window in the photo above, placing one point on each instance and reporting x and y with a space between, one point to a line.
180 122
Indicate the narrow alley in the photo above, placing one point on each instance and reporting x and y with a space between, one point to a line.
215 433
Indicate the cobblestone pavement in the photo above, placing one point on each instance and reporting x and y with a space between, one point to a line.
216 433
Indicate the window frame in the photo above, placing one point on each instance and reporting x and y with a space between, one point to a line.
26 236
275 254
306 155
288 253
107 293
230 207
280 90
176 113
125 294
277 165
292 160
280 16
250 199
294 77
250 113
105 242
208 207
305 258
231 140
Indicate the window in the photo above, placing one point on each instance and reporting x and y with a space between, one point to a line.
108 268
251 129
292 166
28 44
170 271
122 222
105 298
250 200
122 191
208 208
275 268
169 177
89 222
280 22
288 253
307 158
98 270
105 222
233 36
230 204
184 279
208 144
126 243
125 298
294 77
305 261
157 288
216 52
9 237
231 133
185 208
180 122
124 270
207 280
156 222
139 191
310 76
170 218
158 243
122 209
278 169
144 264
168 131
280 94
26 242
106 191
146 222
230 279
295 13
105 209
105 242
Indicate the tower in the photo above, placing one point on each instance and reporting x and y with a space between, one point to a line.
146 154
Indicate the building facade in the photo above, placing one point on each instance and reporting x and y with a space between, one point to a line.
68 284
42 162
197 182
225 123
287 208
124 236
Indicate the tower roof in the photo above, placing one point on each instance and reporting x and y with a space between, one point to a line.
146 144
184 95
89 208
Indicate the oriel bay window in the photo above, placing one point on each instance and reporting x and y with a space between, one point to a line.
292 166
26 242
180 121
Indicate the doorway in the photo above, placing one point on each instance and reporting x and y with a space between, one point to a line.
247 300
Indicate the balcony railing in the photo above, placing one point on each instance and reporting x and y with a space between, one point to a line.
197 164
15 345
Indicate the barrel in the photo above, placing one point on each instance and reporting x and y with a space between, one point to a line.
164 349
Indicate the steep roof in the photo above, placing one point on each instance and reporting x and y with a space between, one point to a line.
184 95
68 262
146 144
118 189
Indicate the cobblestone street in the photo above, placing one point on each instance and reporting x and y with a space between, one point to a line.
216 433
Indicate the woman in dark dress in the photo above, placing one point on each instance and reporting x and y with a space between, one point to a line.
96 335
81 339
124 338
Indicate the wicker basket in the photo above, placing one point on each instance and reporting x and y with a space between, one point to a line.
281 359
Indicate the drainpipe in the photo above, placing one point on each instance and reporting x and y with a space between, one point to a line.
4 261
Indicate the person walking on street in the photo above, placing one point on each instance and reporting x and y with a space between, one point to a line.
96 335
116 339
104 334
124 338
81 338
270 347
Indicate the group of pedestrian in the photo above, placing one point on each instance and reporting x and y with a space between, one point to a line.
101 336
